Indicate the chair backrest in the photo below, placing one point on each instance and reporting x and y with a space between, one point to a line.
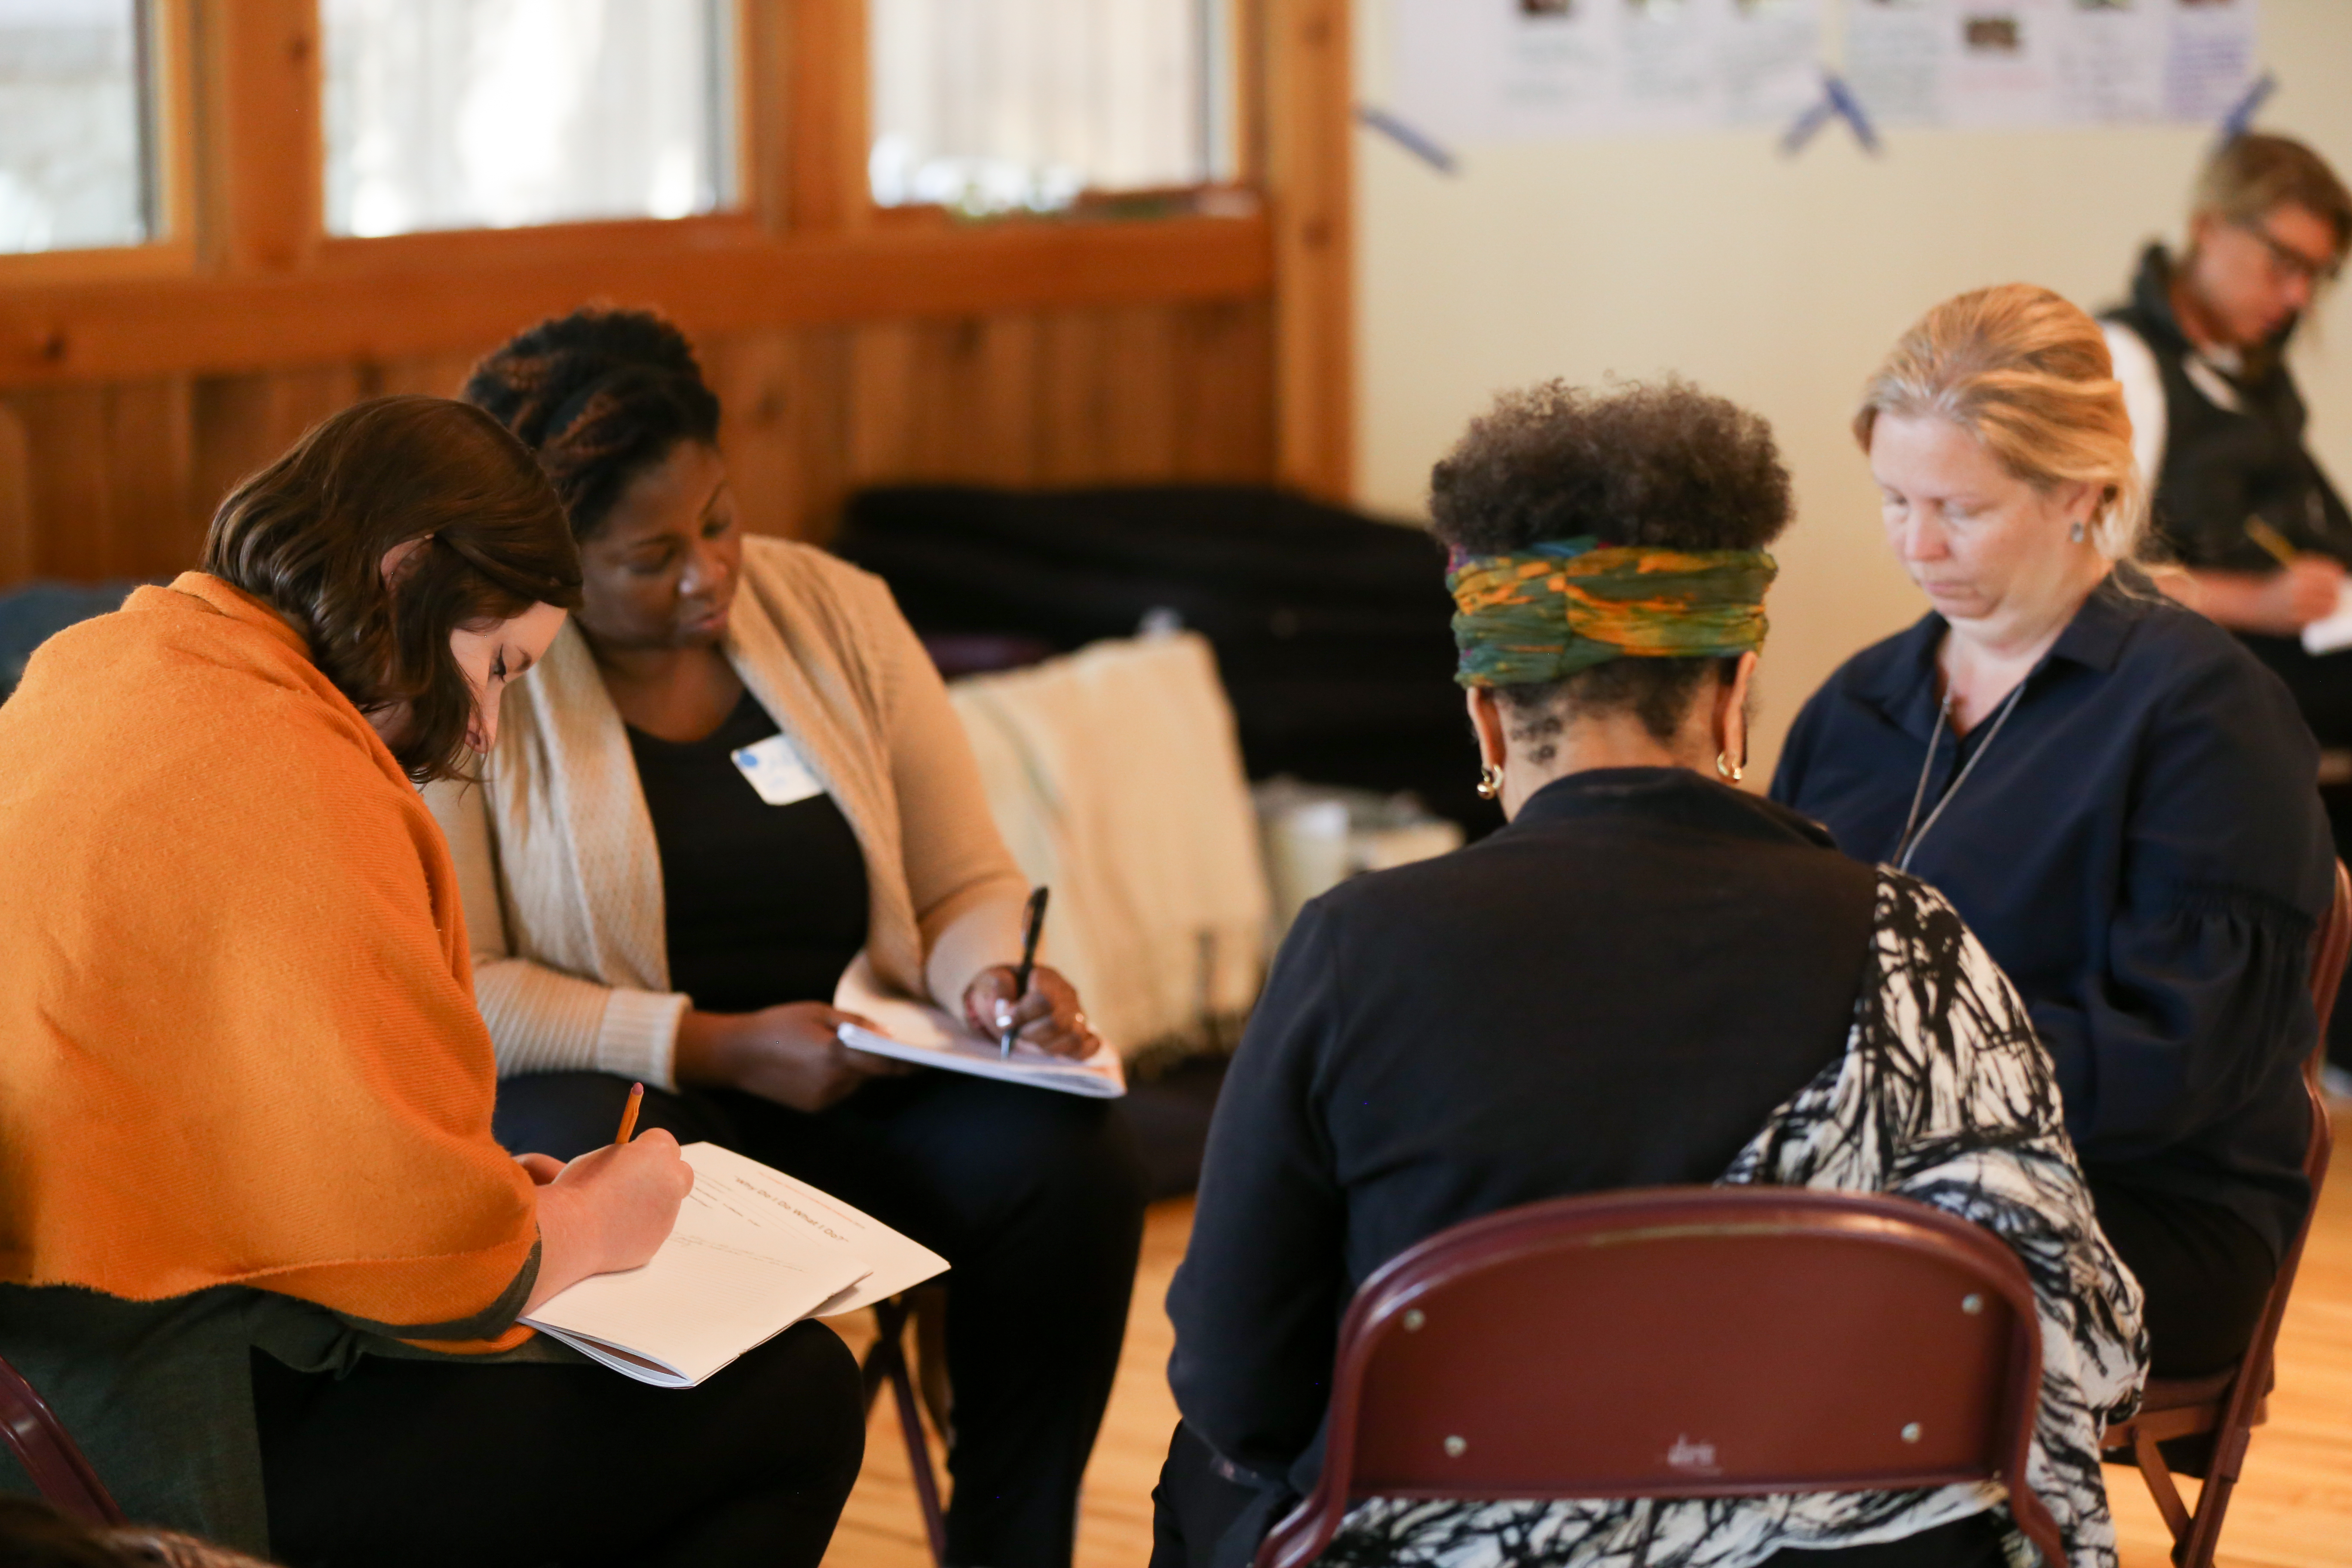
48 1454
2329 945
1684 1341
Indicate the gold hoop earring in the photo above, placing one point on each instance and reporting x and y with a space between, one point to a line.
1727 770
1490 782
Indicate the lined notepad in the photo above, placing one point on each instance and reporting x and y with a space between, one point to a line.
755 1251
913 1031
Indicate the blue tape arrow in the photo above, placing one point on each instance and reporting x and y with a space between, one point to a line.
2235 123
1414 140
1837 102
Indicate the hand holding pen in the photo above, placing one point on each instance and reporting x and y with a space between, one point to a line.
1044 1013
2311 588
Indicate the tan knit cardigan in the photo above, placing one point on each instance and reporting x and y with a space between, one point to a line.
555 853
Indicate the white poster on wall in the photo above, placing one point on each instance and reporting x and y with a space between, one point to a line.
2209 57
2049 62
1489 70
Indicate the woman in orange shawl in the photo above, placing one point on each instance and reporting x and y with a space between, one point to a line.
259 1244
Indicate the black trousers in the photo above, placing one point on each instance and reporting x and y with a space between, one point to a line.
2205 1274
522 1465
1035 1199
1192 1507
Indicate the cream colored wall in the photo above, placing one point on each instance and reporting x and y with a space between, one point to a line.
1778 283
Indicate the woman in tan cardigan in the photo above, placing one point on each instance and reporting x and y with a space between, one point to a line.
735 772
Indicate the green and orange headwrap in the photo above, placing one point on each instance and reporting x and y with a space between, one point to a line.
1549 611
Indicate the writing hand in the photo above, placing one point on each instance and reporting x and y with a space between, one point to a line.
610 1209
541 1168
2303 592
1048 1017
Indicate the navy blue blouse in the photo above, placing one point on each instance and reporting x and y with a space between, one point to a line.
2141 846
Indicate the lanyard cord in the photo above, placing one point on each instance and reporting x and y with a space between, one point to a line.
1908 845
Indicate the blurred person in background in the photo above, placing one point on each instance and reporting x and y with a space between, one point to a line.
2261 538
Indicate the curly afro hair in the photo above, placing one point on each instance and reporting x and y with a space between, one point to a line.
600 395
1658 463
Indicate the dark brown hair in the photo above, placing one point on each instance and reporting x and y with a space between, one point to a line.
1659 463
600 395
308 534
2254 173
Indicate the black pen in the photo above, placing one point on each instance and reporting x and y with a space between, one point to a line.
1033 922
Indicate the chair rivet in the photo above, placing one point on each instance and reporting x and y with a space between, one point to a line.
1972 1303
1911 1433
1413 1320
1455 1447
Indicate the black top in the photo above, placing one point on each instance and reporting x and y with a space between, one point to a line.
2223 465
764 904
1617 989
2141 848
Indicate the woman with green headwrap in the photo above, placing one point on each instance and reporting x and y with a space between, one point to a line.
1647 977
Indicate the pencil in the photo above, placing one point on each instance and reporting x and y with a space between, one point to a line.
2270 540
629 1115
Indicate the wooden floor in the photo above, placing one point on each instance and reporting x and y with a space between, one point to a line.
2294 1507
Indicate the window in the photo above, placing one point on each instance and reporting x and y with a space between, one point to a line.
74 138
492 114
991 105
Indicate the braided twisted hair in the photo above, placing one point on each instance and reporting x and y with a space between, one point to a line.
1653 463
600 395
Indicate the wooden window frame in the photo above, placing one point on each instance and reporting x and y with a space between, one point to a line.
245 277
171 166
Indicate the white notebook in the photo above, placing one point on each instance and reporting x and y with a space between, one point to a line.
2333 632
753 1252
916 1032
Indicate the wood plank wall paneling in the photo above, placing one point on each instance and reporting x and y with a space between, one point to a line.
264 197
108 475
850 347
120 478
15 497
1309 149
826 131
376 300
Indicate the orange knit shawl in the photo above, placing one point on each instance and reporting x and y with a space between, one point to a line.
238 1034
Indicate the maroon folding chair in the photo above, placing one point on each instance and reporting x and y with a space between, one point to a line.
886 1362
2231 1404
49 1454
1684 1342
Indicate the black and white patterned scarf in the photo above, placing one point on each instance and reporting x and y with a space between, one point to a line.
1944 1095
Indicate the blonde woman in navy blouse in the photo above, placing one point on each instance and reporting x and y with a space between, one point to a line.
2114 794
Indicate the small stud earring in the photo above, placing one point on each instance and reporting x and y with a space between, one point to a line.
1490 782
1727 770
2075 533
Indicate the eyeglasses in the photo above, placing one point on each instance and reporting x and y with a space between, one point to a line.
2288 262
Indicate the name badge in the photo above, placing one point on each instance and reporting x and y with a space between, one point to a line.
774 769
